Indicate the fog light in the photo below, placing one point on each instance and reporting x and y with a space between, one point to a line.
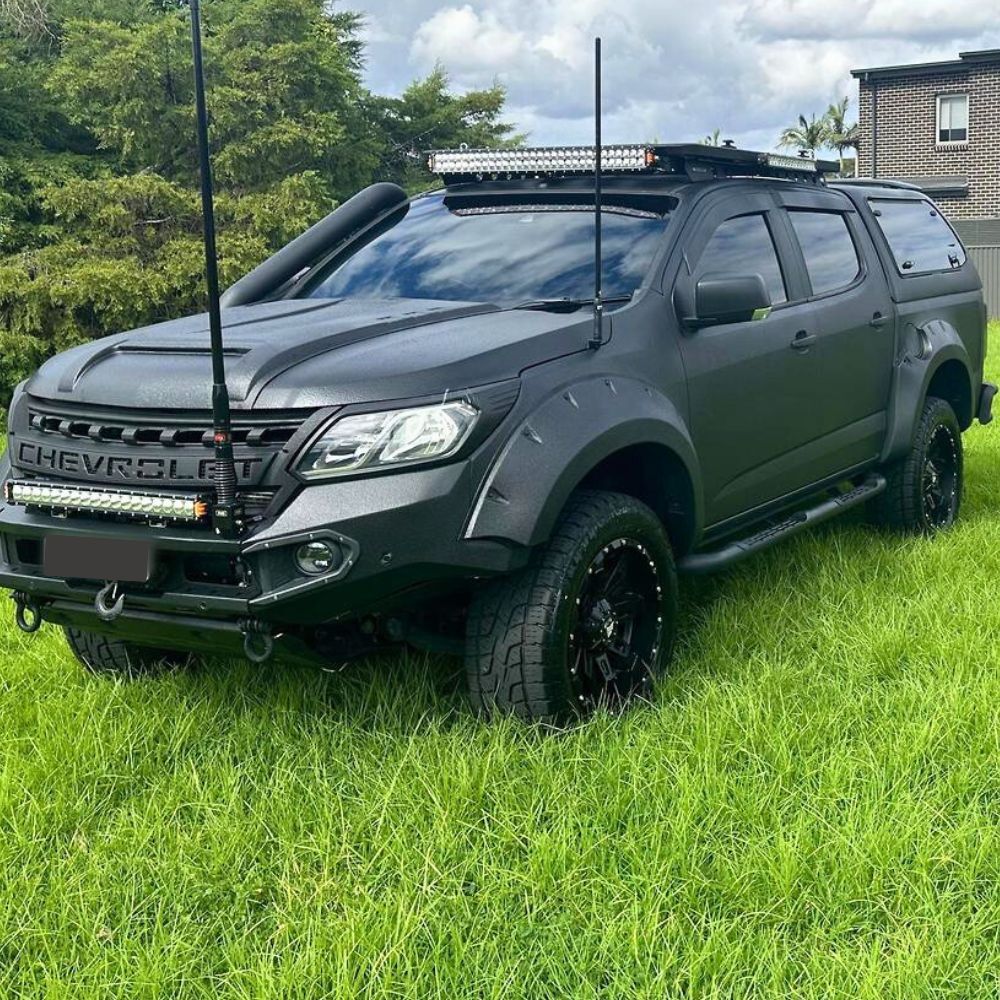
316 558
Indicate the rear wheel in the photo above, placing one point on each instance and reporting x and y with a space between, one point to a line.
924 490
589 622
102 654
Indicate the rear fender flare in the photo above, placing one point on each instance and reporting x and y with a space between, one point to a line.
923 350
551 451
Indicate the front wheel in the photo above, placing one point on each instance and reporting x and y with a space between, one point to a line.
924 490
590 621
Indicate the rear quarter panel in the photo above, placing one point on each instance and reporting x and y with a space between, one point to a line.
954 296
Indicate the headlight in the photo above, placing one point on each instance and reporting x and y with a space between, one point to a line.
368 441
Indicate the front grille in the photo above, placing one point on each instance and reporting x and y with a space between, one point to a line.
143 449
258 432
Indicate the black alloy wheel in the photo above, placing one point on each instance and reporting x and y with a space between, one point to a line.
923 493
616 623
939 479
588 623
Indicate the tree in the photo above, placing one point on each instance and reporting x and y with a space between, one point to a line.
99 215
842 135
812 134
284 79
428 116
715 139
27 18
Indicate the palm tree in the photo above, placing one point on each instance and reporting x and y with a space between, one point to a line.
842 135
811 135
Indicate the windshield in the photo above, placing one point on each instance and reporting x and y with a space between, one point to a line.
506 254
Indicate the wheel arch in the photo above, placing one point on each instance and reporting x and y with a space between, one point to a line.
607 433
951 381
933 361
656 475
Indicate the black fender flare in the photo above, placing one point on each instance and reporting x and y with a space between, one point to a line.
924 349
566 436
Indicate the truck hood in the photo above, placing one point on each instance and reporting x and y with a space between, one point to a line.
311 352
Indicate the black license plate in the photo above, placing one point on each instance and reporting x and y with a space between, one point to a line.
90 557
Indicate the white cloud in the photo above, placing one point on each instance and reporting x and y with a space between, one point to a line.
467 41
374 31
929 20
673 69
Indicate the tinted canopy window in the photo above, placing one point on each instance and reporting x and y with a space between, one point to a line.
829 251
506 254
918 236
743 246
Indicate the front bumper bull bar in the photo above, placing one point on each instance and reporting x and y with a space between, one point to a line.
401 539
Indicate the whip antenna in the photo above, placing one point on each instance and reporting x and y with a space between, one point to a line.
598 337
225 510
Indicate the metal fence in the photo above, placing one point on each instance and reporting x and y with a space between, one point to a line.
987 261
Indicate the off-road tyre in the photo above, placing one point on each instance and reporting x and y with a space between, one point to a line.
108 657
532 638
924 491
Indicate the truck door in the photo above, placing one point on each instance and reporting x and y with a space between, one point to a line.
752 386
846 306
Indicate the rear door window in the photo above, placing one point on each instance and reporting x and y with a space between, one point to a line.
919 237
828 248
743 246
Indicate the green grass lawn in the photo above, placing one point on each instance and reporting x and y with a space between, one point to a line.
811 807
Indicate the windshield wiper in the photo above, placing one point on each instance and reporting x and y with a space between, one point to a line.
567 304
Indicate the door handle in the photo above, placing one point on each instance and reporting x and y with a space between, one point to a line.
803 341
878 321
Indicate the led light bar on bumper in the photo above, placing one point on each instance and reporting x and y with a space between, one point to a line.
368 442
106 500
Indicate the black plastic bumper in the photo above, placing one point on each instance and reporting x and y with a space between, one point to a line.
398 533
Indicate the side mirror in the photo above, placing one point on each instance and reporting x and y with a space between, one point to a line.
726 298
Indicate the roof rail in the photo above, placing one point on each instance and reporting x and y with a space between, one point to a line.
876 182
691 160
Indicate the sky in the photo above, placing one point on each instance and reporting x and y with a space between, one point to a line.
673 71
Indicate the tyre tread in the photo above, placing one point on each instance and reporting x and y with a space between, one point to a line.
510 630
105 655
899 506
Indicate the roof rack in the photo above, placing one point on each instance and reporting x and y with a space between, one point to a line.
690 160
877 182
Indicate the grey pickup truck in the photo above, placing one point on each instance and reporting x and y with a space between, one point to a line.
432 446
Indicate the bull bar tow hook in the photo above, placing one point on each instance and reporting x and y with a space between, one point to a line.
109 602
258 643
27 612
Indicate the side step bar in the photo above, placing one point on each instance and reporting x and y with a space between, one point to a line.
711 562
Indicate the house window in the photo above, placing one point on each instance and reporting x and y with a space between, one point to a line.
953 118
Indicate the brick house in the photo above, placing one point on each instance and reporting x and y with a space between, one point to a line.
937 125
